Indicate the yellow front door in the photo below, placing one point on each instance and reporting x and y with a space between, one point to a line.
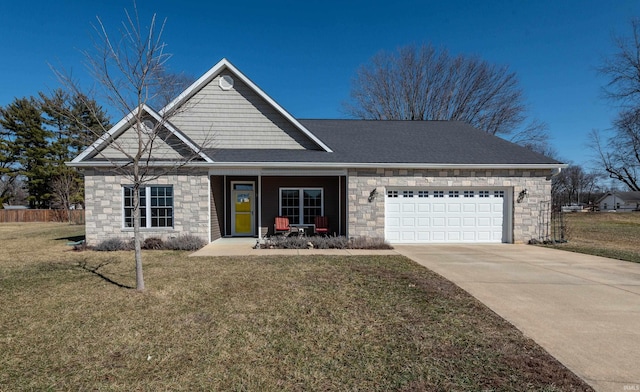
242 213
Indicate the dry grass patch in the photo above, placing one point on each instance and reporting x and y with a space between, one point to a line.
261 323
605 234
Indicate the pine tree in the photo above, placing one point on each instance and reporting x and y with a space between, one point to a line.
29 144
75 122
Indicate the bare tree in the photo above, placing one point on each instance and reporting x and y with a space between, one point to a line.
424 83
13 190
67 190
619 154
623 69
618 150
131 74
574 185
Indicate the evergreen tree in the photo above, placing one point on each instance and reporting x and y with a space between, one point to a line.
90 121
75 122
28 142
6 166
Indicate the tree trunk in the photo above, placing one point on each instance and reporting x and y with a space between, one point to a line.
136 237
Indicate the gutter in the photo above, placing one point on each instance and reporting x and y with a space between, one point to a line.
555 167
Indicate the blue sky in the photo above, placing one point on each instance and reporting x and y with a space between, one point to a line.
304 54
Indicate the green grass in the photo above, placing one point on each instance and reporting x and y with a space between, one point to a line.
606 234
235 324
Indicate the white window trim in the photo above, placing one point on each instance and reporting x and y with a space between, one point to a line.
147 196
301 200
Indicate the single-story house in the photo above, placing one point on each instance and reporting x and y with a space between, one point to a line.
619 201
12 207
404 181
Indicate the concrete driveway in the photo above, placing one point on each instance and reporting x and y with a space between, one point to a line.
584 310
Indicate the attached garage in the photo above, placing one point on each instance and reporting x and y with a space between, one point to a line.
469 215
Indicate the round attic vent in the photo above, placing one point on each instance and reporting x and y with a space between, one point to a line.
225 82
147 126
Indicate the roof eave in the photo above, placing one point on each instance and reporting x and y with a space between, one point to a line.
354 165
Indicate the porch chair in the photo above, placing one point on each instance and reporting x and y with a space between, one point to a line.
282 226
322 225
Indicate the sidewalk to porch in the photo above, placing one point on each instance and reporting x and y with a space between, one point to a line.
244 247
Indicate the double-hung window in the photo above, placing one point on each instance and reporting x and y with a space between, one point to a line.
156 206
301 205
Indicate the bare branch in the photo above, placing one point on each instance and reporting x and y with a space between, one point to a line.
423 83
623 69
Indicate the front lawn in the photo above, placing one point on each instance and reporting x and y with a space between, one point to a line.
68 322
608 234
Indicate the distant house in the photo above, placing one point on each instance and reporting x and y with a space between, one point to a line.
10 207
404 181
574 208
620 201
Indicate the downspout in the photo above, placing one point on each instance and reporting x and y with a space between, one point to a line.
209 206
346 207
339 205
259 208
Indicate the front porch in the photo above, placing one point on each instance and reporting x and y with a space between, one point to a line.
247 205
245 246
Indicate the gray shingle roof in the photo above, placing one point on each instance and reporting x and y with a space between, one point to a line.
629 196
419 142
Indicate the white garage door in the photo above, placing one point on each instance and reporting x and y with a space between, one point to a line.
464 215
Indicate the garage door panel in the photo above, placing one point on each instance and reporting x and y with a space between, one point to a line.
423 236
424 222
438 207
393 222
392 207
469 207
454 222
454 207
408 208
485 207
484 236
438 236
423 207
444 218
483 222
438 222
469 236
408 221
453 236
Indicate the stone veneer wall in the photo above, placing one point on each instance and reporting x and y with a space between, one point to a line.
103 200
367 219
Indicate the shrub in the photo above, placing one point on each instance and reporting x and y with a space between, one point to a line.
334 242
113 244
319 242
81 247
153 243
368 243
282 242
184 242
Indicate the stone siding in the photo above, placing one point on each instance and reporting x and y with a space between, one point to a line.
368 218
104 209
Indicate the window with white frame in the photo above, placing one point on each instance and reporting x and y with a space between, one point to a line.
301 205
156 206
